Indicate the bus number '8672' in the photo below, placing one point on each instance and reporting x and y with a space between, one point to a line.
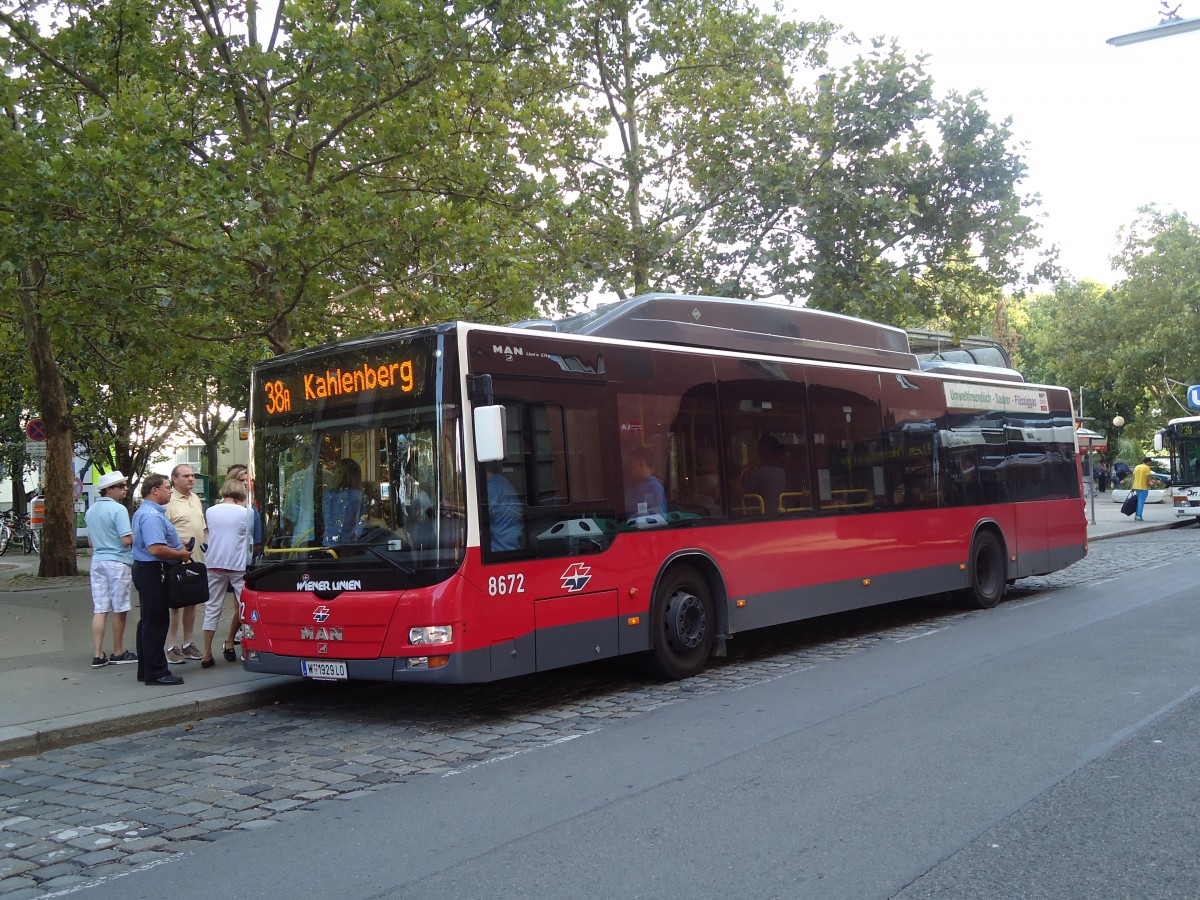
506 584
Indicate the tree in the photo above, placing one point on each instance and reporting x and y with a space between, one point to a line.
725 172
363 166
165 167
79 148
681 97
1156 309
1071 339
214 401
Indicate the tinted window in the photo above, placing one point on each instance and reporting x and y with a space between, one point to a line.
548 495
847 440
912 409
764 417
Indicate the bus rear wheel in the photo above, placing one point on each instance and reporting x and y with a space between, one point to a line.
987 571
684 621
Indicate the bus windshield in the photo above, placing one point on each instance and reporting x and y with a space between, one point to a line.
373 474
1185 453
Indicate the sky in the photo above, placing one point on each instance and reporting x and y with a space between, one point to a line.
1105 129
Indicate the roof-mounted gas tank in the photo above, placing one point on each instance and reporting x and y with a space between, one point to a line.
745 326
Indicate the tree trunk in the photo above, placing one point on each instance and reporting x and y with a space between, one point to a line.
58 533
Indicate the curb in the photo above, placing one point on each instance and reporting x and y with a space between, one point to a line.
1163 526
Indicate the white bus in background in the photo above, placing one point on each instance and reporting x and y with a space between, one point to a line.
1181 439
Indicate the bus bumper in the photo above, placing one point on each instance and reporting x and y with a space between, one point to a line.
471 666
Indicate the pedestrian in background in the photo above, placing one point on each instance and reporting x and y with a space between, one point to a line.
1120 471
1141 485
1102 476
186 513
228 548
110 536
156 545
242 474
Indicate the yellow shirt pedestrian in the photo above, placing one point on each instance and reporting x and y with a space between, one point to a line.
1141 477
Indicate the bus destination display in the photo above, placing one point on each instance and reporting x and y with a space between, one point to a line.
295 392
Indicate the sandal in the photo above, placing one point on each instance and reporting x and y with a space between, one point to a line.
228 653
207 663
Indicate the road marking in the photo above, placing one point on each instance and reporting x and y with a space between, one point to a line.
913 637
496 759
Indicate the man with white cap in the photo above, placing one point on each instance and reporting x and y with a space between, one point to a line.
110 537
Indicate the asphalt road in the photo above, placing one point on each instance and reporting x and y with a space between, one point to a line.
1043 749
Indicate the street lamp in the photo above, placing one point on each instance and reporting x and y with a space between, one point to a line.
1118 423
1166 28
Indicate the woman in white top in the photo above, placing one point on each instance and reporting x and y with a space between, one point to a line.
228 546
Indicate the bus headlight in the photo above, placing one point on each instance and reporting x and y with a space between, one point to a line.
431 634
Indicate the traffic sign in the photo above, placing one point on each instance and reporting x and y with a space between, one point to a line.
1194 396
35 430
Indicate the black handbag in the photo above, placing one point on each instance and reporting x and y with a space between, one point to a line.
187 585
1129 507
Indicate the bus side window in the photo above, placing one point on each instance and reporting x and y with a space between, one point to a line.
847 429
547 496
767 456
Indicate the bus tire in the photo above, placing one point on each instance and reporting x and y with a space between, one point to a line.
684 621
986 571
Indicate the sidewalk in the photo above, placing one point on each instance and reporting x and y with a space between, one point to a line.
52 697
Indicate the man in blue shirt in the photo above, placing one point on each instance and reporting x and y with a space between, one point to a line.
644 494
109 536
505 519
156 544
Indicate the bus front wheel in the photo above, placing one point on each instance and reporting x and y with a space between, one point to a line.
684 621
987 572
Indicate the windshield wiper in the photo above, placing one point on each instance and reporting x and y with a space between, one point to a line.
394 563
255 574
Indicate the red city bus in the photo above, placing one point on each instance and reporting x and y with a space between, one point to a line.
464 503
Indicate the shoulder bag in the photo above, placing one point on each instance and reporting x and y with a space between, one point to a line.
187 585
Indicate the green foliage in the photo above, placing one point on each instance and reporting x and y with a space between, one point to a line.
713 167
1156 310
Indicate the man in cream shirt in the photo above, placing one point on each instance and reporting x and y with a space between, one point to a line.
186 513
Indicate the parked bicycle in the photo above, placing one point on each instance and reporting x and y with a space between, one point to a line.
32 540
5 535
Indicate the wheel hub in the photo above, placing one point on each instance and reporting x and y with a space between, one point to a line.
686 621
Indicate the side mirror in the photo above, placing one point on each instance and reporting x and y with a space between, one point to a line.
1158 441
490 433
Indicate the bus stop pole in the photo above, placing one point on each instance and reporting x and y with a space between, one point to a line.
1089 479
1092 482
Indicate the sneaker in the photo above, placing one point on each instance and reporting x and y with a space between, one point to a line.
1138 519
191 651
125 657
175 657
99 662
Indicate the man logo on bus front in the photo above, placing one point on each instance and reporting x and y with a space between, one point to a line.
576 577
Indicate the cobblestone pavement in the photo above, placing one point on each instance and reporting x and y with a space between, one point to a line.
74 817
